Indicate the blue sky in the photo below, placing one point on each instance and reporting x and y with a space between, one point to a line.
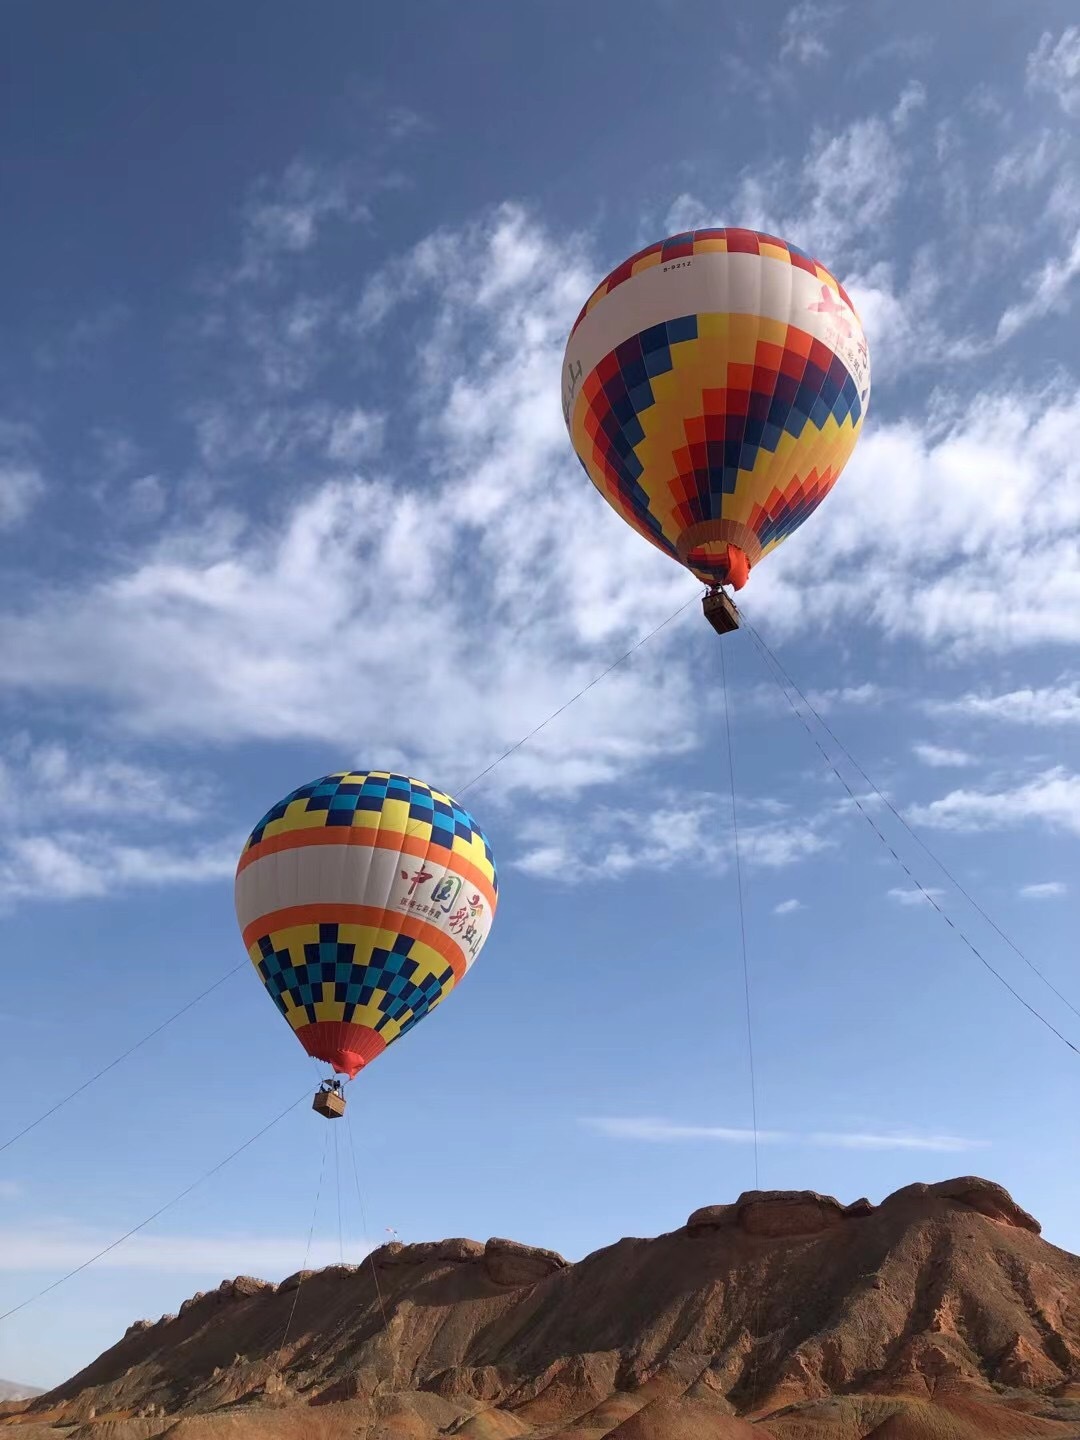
284 488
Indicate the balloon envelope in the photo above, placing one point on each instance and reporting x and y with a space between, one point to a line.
363 899
714 386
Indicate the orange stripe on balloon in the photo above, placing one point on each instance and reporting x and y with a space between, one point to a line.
374 916
374 839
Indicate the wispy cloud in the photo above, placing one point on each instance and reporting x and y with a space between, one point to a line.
802 35
10 1189
912 99
1030 165
957 583
665 1131
83 339
831 203
1044 890
612 843
788 907
1046 290
914 896
22 482
178 641
1053 68
940 757
94 784
285 213
76 865
1051 798
770 698
1048 705
44 1247
867 695
20 486
669 1132
896 1141
103 832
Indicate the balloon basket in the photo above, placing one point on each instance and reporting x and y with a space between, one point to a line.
720 612
329 1102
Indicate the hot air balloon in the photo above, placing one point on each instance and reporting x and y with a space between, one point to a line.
714 386
363 898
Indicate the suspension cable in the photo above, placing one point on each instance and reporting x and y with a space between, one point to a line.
926 894
573 698
243 963
756 1304
337 1187
129 1051
159 1211
364 1224
898 815
742 914
307 1251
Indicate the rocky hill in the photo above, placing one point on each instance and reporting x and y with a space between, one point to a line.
11 1390
940 1314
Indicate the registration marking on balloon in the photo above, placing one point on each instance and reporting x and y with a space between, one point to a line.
714 386
363 899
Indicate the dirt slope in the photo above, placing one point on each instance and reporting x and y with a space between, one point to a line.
939 1315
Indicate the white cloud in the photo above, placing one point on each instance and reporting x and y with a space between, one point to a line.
75 865
941 758
401 122
915 896
147 497
912 99
788 907
916 541
669 1132
355 435
236 630
803 30
44 1247
76 825
832 203
81 342
1051 798
292 434
867 695
1028 166
1054 67
21 486
285 214
1048 705
1044 890
92 784
770 698
609 843
663 1131
897 1141
1047 290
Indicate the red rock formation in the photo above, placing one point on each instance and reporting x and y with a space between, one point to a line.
938 1315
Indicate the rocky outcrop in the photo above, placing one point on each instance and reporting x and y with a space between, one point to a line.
787 1213
429 1252
508 1263
775 1213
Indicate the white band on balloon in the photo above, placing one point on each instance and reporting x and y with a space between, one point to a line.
715 283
